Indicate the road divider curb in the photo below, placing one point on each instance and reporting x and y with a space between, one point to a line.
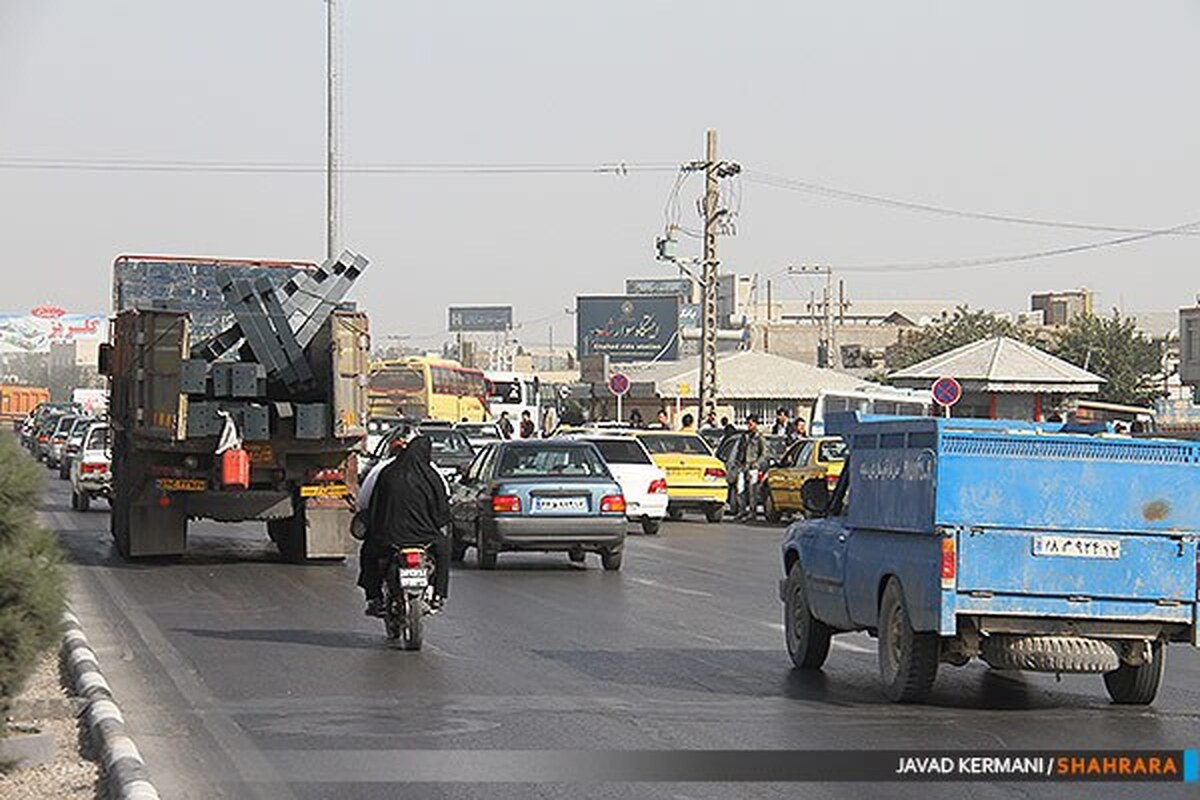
125 772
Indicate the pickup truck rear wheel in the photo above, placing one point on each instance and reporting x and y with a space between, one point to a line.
908 660
807 637
1129 685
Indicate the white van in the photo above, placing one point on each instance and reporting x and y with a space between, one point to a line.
872 400
513 392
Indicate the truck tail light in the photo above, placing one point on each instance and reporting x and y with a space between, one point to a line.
713 473
506 504
949 562
658 486
328 475
613 504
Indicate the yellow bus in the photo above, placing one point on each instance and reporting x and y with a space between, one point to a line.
427 388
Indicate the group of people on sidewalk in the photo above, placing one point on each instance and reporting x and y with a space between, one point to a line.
749 459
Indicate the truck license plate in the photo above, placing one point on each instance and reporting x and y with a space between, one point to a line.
182 484
1077 547
410 578
324 490
543 504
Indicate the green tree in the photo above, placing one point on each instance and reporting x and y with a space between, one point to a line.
32 581
1113 348
964 326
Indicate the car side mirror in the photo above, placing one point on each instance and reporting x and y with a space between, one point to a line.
814 495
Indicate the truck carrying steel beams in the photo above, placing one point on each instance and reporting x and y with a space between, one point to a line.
298 412
1033 546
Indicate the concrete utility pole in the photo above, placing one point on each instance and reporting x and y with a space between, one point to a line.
708 308
332 223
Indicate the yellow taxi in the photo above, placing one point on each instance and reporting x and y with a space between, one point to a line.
695 477
817 459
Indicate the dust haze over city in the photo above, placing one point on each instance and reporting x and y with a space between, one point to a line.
1072 111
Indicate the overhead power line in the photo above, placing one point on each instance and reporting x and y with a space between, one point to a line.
991 261
245 167
821 190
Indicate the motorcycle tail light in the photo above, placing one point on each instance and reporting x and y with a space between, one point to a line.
412 558
658 486
613 504
506 504
714 473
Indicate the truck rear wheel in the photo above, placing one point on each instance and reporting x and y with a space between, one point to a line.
807 637
908 660
1137 686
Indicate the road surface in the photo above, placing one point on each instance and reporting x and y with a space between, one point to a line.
244 677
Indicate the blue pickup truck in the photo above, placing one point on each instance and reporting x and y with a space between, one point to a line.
1032 546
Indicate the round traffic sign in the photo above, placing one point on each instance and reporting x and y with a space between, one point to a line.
946 391
618 383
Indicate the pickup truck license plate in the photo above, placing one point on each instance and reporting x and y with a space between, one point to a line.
1077 547
413 578
543 504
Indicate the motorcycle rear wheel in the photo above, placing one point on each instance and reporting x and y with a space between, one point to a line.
413 633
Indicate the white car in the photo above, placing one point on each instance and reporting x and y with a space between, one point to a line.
91 473
480 434
643 483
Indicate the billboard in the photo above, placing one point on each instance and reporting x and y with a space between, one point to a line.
674 287
628 327
467 319
35 330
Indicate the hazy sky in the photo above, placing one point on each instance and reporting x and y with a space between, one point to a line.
1080 111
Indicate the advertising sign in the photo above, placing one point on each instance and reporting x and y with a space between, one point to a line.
628 327
33 331
672 287
467 319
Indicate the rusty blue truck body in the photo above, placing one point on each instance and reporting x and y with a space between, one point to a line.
1032 545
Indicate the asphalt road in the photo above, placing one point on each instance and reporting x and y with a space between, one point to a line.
244 677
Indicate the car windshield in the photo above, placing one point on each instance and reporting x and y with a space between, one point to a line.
447 441
552 461
680 443
621 451
832 450
100 438
64 426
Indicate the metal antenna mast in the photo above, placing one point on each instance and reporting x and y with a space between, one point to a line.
332 120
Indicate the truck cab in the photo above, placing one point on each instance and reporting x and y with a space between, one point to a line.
1033 546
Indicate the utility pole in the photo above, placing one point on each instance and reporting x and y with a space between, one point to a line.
828 339
331 131
708 308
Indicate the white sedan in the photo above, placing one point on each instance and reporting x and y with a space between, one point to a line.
642 482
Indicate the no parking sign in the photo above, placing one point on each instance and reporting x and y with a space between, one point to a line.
946 392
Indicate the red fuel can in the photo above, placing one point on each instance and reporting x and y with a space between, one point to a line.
235 469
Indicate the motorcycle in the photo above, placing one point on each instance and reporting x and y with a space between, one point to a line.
407 594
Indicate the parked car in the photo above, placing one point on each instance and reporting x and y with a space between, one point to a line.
543 495
696 479
480 434
58 440
91 470
73 446
643 482
807 461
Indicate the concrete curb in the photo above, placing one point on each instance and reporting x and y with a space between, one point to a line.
125 773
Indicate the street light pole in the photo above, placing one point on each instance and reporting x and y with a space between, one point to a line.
331 131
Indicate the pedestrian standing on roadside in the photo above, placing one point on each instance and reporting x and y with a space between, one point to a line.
710 421
664 420
784 427
635 419
505 425
688 423
750 458
527 427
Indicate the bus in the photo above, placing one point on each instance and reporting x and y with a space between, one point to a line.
869 400
514 393
423 387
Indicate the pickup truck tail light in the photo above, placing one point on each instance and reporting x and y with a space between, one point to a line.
714 474
613 504
949 562
93 469
658 486
506 504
